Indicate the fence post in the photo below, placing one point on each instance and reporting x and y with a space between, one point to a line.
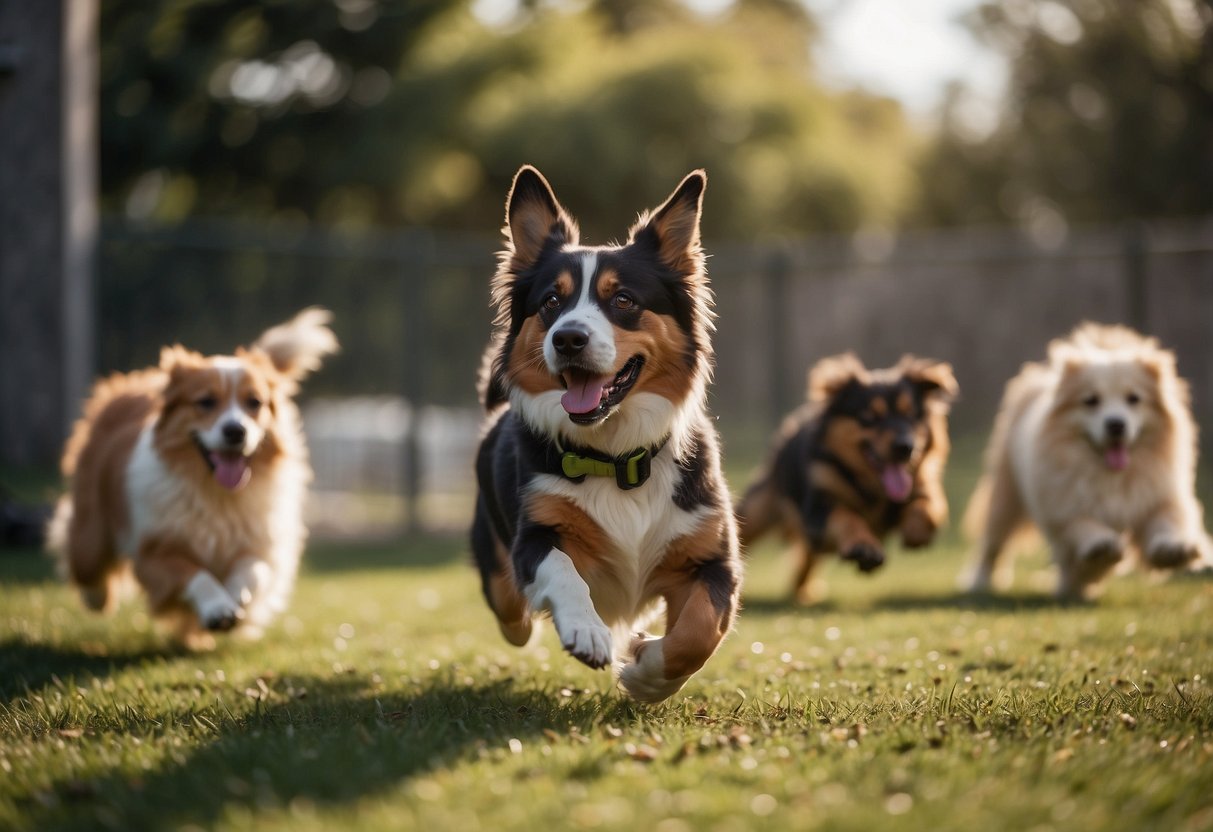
778 268
416 261
1137 301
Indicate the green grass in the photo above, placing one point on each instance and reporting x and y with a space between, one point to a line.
386 699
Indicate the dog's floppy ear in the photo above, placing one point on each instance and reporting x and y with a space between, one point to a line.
934 380
534 219
672 229
830 376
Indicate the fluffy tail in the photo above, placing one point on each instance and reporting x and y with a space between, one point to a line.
297 347
757 511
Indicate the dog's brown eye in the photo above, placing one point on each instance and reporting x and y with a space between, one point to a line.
623 301
253 403
1133 399
206 403
552 301
1091 401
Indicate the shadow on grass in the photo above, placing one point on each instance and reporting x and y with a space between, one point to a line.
783 604
340 744
414 551
28 667
967 601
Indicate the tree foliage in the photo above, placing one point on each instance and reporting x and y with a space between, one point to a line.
1109 115
415 112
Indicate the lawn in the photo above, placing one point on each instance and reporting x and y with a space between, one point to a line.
386 699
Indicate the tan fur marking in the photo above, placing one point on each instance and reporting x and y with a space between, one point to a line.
904 403
581 538
164 568
695 629
880 408
564 285
608 284
664 346
846 530
527 369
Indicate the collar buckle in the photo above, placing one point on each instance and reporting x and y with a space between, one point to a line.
630 471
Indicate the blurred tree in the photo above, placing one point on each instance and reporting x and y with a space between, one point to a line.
359 113
1109 116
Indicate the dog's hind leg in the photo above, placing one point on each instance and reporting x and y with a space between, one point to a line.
1085 551
497 581
995 513
757 512
87 553
802 577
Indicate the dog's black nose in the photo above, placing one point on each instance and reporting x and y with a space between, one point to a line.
901 449
569 340
1114 427
234 432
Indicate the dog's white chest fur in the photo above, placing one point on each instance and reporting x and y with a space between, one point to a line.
220 527
640 524
1058 484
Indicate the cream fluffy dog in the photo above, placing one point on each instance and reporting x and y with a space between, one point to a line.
1096 448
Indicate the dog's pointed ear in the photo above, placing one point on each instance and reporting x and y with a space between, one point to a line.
830 376
934 380
533 217
672 229
176 358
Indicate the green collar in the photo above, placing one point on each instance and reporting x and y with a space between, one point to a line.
631 470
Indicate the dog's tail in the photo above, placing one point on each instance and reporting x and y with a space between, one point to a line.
757 511
297 347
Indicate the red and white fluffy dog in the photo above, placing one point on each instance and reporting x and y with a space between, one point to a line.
600 491
193 475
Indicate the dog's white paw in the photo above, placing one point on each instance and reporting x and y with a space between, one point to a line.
585 637
1105 550
1169 553
644 678
220 612
216 608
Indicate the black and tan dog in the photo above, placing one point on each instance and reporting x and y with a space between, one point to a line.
862 457
600 491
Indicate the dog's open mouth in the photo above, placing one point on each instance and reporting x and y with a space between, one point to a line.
230 468
1116 454
895 477
589 398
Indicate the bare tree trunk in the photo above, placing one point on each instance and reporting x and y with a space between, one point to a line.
48 221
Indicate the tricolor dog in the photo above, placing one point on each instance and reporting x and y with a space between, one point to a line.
600 491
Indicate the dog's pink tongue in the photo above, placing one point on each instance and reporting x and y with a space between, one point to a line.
1117 458
584 393
897 482
231 470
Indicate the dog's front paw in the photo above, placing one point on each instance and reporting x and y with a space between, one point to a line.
1172 553
644 677
220 613
917 530
866 556
1105 551
585 637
